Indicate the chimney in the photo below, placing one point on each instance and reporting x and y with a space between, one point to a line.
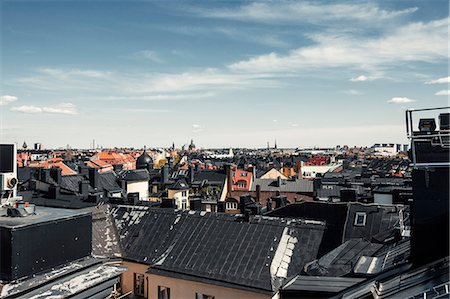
83 188
269 204
53 191
55 174
83 169
299 169
93 178
258 193
165 174
191 174
229 177
44 175
279 182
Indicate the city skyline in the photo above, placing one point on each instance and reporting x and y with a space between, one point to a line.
233 74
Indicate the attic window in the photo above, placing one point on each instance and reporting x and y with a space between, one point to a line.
360 219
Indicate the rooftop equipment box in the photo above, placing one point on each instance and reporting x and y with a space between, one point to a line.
36 243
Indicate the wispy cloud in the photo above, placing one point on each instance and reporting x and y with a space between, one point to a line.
443 93
6 99
400 100
439 81
369 53
294 12
152 86
352 92
62 108
162 97
150 55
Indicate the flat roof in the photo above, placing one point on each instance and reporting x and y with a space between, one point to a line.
42 215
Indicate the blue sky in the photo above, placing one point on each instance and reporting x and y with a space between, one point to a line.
307 73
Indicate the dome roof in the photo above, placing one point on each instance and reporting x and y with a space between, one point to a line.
144 160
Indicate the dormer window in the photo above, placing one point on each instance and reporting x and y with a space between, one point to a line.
360 219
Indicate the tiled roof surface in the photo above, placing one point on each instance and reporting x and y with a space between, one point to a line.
258 254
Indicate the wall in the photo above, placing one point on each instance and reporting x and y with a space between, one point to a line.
186 289
127 278
178 196
141 187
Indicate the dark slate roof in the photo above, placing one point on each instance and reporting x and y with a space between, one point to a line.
431 279
386 258
135 175
334 215
179 185
331 191
340 219
77 279
108 181
217 248
105 240
380 218
212 177
341 260
302 286
298 185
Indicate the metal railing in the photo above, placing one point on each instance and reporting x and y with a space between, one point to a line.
437 138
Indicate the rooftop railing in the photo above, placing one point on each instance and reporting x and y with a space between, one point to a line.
429 145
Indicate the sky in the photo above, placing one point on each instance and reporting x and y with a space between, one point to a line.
224 73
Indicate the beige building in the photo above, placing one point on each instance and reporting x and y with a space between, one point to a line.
140 284
179 192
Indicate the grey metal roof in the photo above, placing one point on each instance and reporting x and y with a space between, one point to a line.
298 186
319 284
217 248
341 260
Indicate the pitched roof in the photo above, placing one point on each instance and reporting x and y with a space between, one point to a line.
217 248
341 260
135 175
298 185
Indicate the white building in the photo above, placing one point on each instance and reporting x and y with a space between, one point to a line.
179 192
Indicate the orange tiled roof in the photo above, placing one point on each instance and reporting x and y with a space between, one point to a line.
54 162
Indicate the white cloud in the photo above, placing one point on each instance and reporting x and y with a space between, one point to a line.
439 81
6 99
149 55
196 128
62 108
288 12
400 100
370 53
360 78
443 93
27 109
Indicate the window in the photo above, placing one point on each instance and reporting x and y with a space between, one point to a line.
360 219
163 292
139 284
231 205
184 193
242 184
243 174
203 296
